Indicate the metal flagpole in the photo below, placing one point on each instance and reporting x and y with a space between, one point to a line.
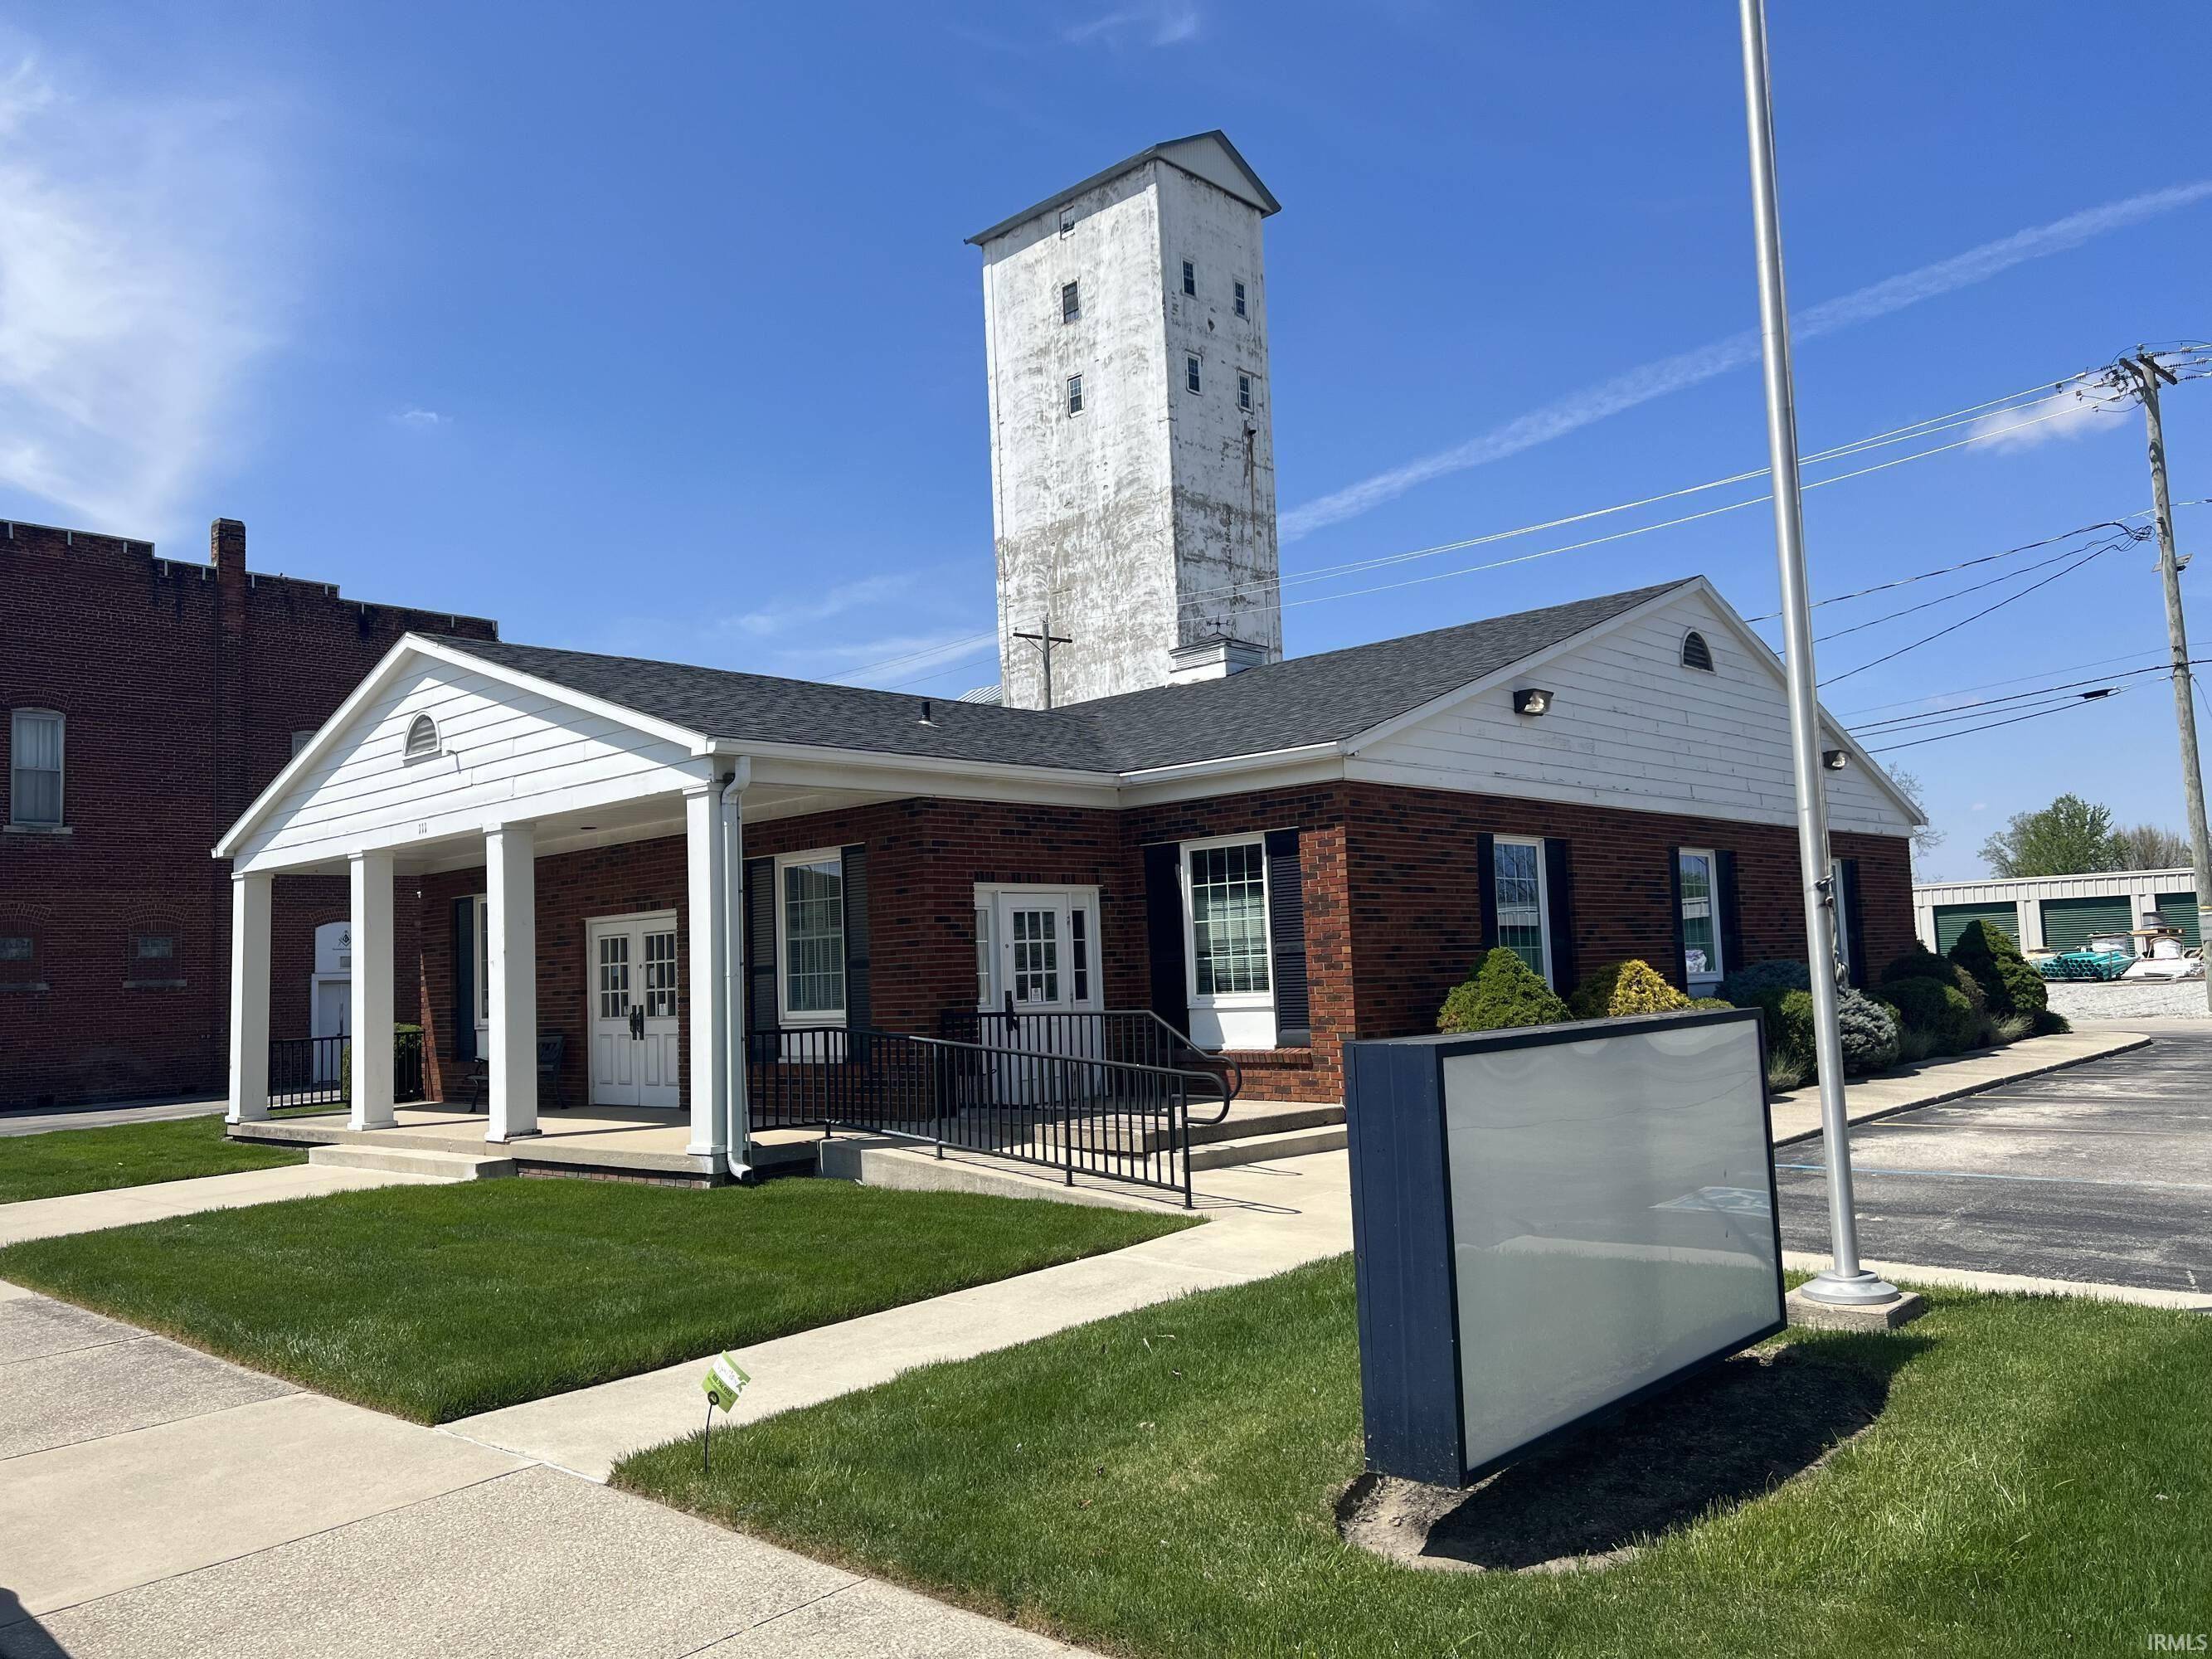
1843 1281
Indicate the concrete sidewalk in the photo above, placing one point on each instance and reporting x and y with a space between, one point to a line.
46 1120
157 1501
121 1206
1796 1116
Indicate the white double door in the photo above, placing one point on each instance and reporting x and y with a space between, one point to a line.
636 1041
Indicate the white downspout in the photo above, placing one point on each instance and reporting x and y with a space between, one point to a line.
737 1128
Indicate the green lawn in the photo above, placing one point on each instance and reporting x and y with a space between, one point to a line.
437 1302
126 1155
1162 1483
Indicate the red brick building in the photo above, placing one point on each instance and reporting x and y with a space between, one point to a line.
669 866
143 703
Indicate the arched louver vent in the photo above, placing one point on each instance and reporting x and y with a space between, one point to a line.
422 737
1696 653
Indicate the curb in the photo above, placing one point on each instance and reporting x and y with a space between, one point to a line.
1997 1283
1965 1090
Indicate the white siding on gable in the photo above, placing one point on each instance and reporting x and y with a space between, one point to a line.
1629 726
505 755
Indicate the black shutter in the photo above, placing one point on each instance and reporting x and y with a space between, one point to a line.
760 944
465 978
860 1010
1164 935
1728 910
1677 970
1559 905
1854 920
1287 931
1485 881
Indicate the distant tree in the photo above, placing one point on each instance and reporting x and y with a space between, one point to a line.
2069 837
1927 838
2146 847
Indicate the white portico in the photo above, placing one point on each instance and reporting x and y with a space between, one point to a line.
445 760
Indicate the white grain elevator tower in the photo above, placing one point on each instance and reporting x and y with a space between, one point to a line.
1133 456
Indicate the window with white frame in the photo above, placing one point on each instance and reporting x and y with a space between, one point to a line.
1070 302
1240 300
1189 277
811 925
1701 937
35 768
1075 394
1243 391
422 738
1228 887
1517 887
482 906
1190 375
982 952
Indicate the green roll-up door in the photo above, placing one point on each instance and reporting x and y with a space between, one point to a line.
1952 920
2069 923
2179 910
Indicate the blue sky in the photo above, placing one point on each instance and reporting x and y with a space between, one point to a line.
653 330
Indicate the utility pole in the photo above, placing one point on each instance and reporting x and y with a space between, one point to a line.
2148 371
1044 639
1843 1281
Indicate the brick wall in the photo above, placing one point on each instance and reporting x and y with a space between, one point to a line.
181 684
1393 917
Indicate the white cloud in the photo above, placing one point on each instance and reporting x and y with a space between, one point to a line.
1167 24
142 279
783 616
2089 407
421 419
1980 806
1688 368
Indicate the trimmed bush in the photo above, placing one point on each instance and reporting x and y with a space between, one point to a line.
1625 988
1501 993
2012 988
1746 985
1936 1009
1918 964
1868 1030
1702 1003
2049 1022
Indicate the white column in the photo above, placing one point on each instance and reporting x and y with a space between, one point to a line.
371 1042
249 999
511 929
738 1130
708 937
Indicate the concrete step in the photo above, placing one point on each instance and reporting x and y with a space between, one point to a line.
1267 1148
413 1160
1250 1118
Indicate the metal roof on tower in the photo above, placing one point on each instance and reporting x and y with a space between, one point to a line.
1207 156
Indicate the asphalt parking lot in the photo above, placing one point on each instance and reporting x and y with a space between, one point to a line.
2101 1174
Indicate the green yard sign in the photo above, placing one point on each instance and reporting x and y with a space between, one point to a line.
725 1380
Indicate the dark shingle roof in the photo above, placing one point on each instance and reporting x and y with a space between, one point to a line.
1284 705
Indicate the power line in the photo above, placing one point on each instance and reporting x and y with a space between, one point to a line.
1952 627
1990 702
1987 685
1945 737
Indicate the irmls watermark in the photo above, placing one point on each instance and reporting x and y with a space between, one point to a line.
2160 1641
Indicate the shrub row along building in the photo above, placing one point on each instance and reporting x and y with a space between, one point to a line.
671 868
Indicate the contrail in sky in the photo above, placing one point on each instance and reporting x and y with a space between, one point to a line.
1689 369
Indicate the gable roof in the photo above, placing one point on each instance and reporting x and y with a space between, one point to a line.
1208 155
1293 704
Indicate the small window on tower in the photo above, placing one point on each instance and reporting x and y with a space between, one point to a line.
1075 394
1066 220
1243 391
1190 372
1240 300
1189 277
1070 302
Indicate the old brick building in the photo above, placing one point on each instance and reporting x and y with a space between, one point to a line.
143 703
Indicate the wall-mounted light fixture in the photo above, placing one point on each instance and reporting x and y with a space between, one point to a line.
1531 701
1835 759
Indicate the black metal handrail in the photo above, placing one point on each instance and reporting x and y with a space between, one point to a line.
1137 1036
1080 1114
318 1071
